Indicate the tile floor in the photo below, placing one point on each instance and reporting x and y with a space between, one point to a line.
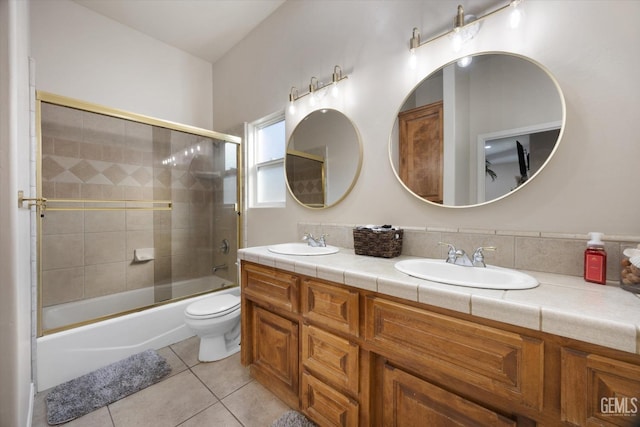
220 394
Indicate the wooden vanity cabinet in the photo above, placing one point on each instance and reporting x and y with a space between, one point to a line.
598 390
270 329
329 354
455 351
409 401
274 350
349 357
332 306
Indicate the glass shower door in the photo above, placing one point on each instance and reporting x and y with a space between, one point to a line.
137 212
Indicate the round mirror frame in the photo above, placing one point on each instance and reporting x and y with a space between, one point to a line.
356 173
542 166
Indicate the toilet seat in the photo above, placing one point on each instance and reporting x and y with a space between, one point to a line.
215 306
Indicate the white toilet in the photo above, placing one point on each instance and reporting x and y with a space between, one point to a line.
216 320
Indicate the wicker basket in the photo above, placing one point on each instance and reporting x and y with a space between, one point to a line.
379 243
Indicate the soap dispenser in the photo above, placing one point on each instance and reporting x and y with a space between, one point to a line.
595 260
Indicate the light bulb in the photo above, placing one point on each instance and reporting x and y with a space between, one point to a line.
412 59
335 91
516 14
292 108
464 62
516 17
457 41
313 99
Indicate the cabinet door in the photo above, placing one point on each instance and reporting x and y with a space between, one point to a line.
599 391
458 352
421 150
330 357
332 306
411 402
326 406
275 354
270 286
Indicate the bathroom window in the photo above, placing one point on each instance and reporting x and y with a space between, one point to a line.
266 162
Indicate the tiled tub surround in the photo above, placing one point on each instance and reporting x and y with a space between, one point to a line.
562 305
87 254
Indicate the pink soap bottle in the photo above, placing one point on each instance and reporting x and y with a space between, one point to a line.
595 260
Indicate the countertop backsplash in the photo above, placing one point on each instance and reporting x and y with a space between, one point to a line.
535 251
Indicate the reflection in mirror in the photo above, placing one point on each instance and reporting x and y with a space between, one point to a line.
324 156
472 134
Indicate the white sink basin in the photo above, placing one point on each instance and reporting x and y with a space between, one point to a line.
491 277
302 249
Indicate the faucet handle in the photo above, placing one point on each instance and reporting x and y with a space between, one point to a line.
451 253
478 255
451 247
484 248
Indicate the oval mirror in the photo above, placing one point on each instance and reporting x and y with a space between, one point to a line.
324 155
477 129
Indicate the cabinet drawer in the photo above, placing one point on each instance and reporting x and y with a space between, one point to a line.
333 306
271 286
410 401
326 406
330 357
274 349
599 391
498 362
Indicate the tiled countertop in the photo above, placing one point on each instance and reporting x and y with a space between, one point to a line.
561 305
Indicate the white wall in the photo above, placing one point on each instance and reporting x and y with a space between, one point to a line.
84 55
15 293
586 186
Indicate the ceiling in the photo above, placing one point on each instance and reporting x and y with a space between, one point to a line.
204 28
210 28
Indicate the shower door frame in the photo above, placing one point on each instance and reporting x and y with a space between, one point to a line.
40 202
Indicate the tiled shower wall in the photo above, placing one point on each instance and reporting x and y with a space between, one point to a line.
91 253
535 251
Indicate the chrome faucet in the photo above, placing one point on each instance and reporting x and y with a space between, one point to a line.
478 255
315 241
460 257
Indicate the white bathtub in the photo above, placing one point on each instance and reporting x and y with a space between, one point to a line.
69 313
68 354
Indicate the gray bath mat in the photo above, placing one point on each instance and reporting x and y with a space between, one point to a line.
96 389
293 419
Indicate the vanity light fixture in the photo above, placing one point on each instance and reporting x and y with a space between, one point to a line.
464 28
414 43
293 95
335 79
315 89
312 91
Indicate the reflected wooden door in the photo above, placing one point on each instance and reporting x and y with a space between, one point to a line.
421 150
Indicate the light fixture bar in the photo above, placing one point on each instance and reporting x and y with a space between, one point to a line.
316 85
415 42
